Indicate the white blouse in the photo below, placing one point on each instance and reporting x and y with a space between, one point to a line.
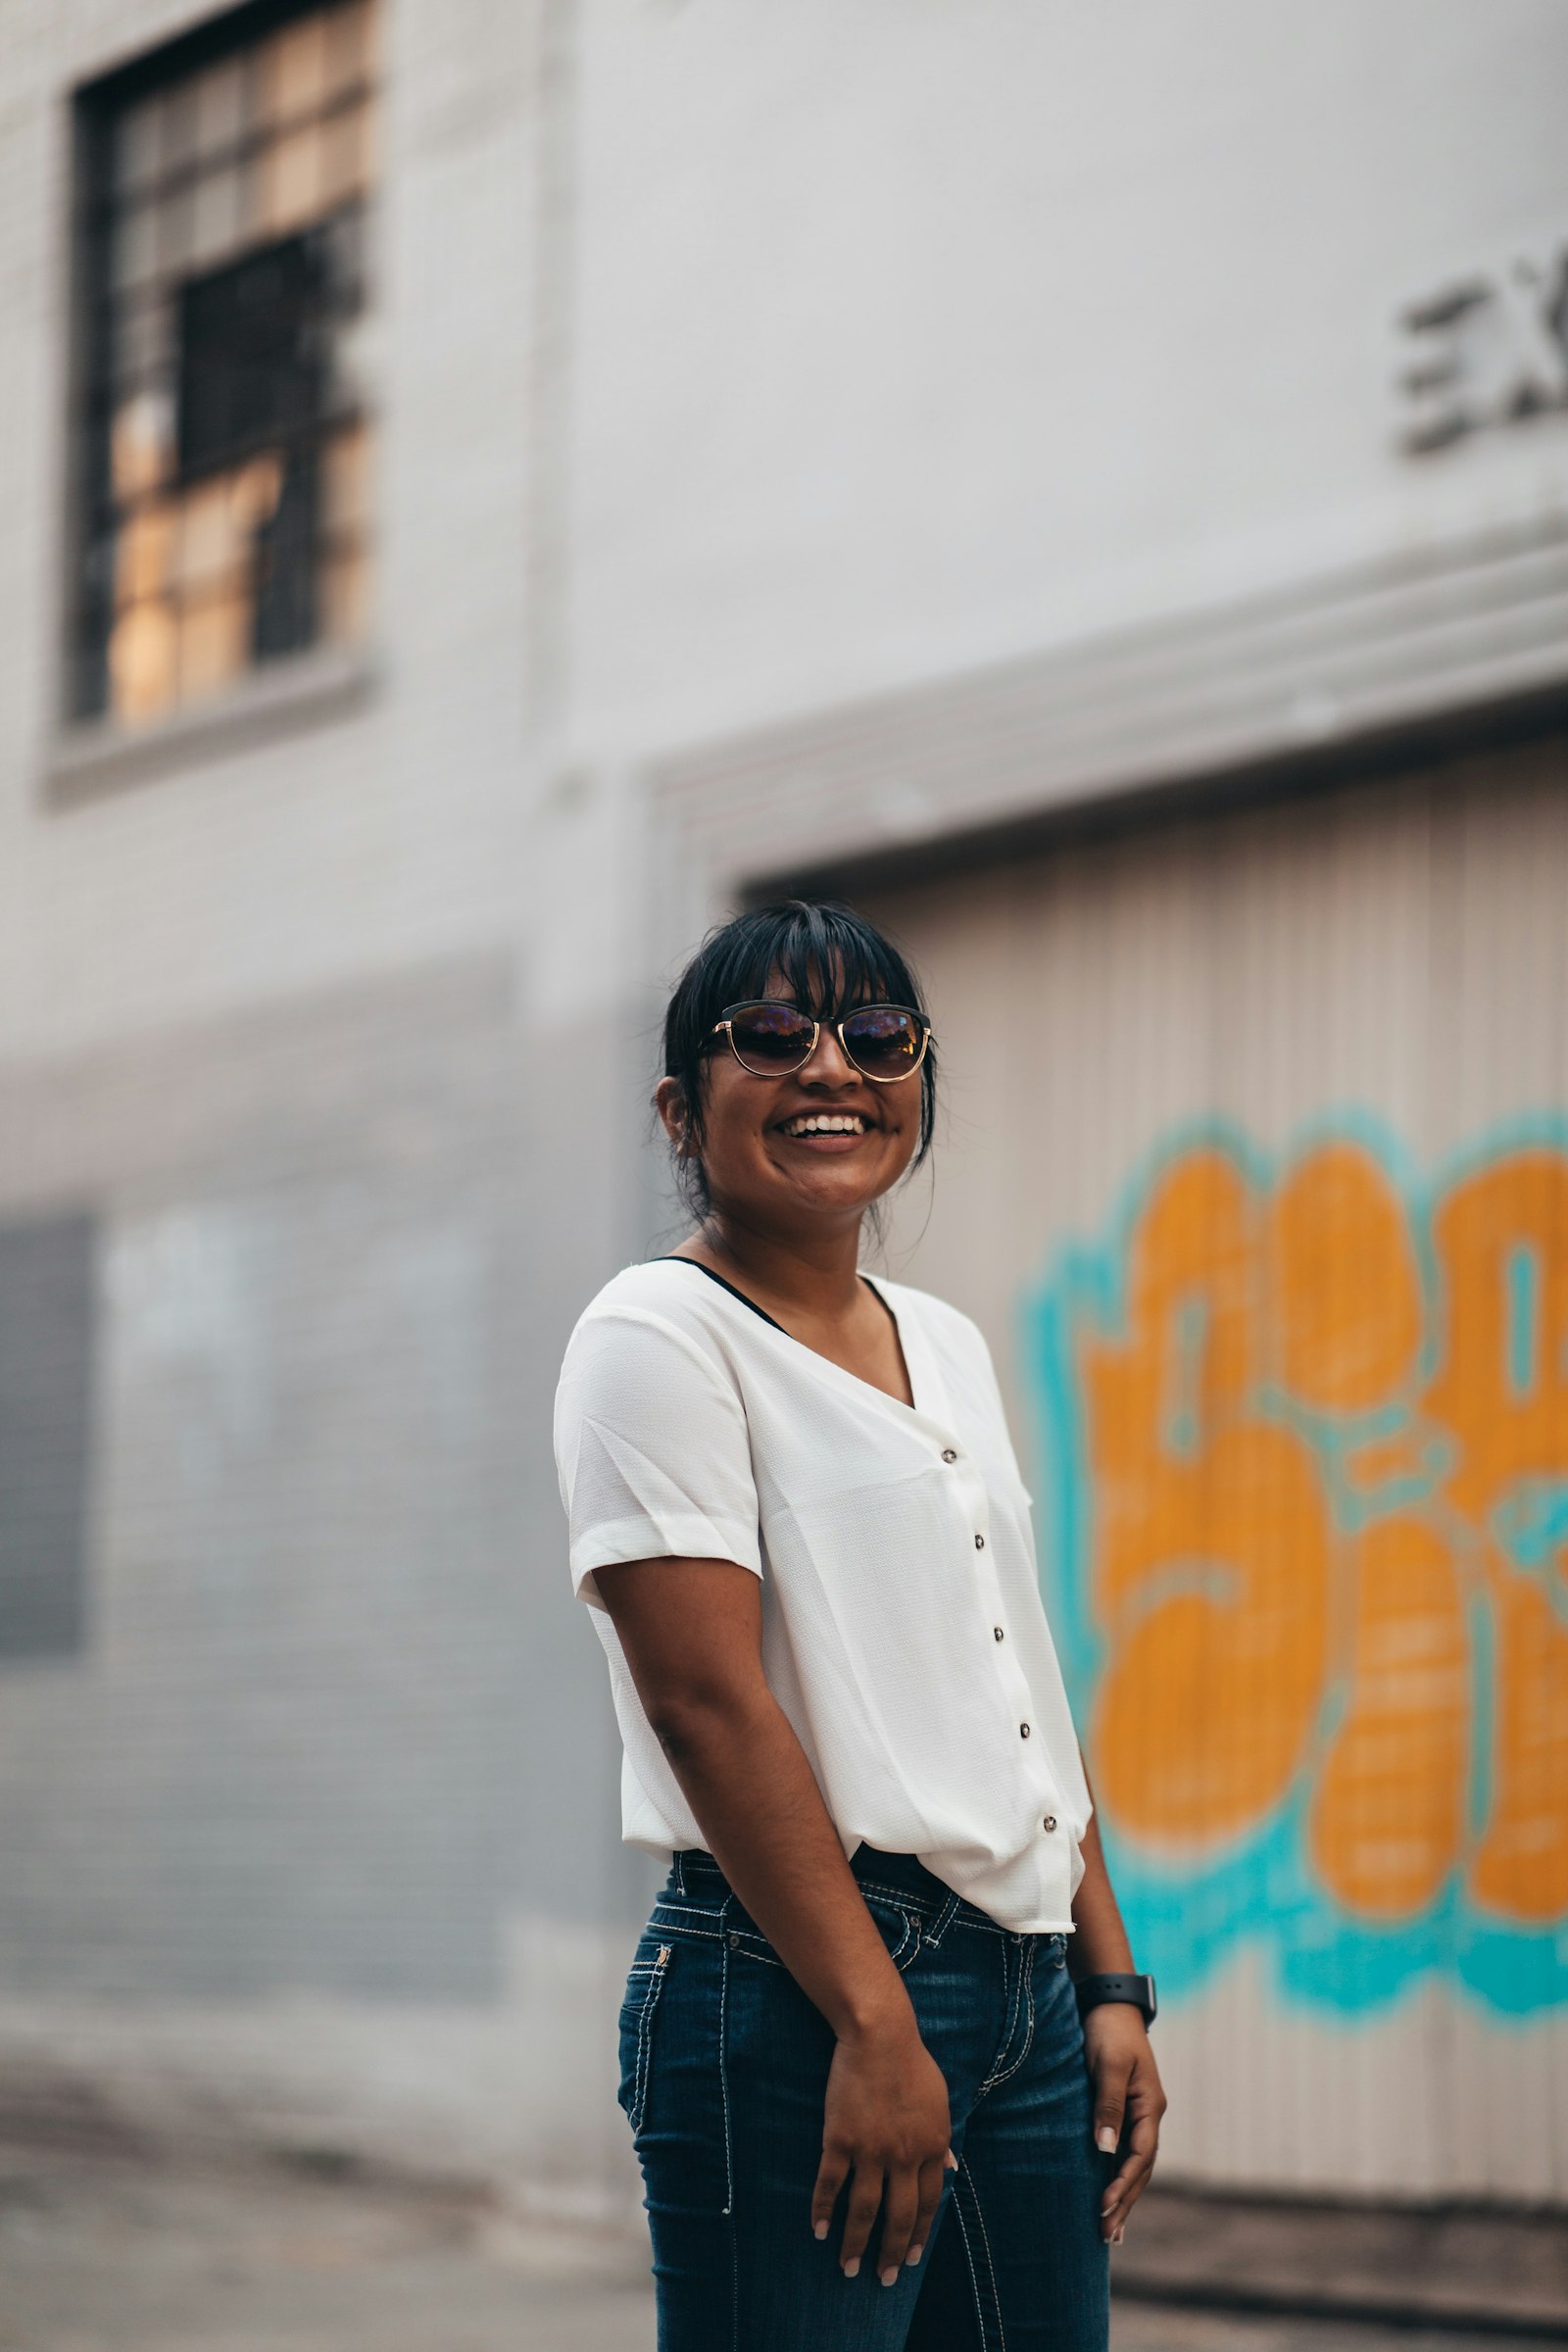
902 1631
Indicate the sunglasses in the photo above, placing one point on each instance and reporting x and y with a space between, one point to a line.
770 1039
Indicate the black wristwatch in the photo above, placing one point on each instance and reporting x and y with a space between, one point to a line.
1139 1991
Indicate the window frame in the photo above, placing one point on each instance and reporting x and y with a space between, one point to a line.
93 742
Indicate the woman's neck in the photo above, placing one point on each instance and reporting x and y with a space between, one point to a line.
814 1273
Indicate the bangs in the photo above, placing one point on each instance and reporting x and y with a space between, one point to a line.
825 957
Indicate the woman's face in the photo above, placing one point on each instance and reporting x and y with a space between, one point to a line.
814 1149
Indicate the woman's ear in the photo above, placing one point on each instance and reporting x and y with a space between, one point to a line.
670 1101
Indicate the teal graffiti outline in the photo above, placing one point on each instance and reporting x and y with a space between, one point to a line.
1186 1920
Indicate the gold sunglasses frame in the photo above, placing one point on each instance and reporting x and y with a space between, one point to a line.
725 1028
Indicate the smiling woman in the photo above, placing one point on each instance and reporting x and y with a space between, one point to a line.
767 981
797 1519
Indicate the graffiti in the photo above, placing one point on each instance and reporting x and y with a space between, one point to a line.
1306 1440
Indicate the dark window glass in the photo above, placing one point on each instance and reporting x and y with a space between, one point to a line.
46 1333
251 351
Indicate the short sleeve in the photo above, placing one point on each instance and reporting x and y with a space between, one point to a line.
652 1449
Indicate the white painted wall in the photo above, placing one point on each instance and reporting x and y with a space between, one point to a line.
911 338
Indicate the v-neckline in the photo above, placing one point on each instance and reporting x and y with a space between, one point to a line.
921 1377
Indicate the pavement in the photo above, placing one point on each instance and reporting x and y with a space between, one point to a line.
116 2253
1466 2271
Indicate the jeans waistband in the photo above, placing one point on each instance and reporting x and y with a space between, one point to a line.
903 1874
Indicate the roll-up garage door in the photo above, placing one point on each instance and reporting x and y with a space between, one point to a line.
1254 1169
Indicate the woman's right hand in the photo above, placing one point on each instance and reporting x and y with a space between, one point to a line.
886 2129
692 1631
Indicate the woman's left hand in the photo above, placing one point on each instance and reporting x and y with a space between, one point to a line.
1129 2101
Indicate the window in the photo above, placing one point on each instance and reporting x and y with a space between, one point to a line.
223 434
46 1350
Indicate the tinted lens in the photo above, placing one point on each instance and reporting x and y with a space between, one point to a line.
884 1042
770 1039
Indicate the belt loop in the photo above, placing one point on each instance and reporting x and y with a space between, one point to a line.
679 1862
939 1925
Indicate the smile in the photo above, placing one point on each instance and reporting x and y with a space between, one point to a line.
826 1122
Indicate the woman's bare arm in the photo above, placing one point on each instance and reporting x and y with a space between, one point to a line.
1128 2093
691 1630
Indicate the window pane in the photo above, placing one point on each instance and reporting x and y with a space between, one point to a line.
209 549
177 230
145 553
291 77
346 155
179 127
345 597
290 180
220 220
142 445
133 251
138 145
220 107
287 562
219 522
345 493
144 654
214 643
48 1310
139 354
349 61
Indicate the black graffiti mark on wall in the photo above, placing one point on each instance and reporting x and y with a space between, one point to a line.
1487 351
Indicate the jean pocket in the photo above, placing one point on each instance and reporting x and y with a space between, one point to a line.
897 1924
898 1927
643 1984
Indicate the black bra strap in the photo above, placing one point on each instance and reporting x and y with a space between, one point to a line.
672 1259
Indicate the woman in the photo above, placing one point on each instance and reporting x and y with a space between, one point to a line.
865 2107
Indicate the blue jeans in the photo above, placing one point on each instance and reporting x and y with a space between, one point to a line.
724 2064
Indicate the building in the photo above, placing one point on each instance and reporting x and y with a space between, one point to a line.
487 487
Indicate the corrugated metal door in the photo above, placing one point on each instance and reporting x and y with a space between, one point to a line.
1254 1168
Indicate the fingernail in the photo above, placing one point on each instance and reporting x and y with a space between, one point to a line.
819 2229
1118 2235
1107 2209
852 2267
1105 2140
888 2278
913 2257
950 2162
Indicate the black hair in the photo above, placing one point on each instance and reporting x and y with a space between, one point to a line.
830 960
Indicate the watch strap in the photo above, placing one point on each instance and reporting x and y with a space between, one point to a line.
1138 1991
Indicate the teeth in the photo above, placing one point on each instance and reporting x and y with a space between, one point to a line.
827 1122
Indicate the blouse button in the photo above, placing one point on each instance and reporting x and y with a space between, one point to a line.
1023 1730
949 1453
997 1632
1050 1820
979 1542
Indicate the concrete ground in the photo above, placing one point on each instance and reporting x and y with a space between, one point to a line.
114 2254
